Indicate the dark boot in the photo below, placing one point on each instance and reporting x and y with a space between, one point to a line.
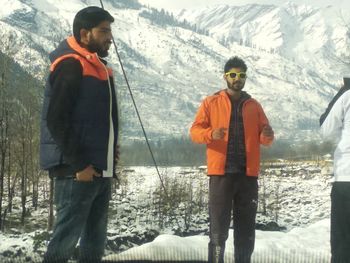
216 253
242 256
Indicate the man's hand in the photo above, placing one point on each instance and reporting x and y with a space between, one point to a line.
117 153
219 133
87 175
267 131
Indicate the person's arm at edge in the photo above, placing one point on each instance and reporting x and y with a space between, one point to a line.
264 124
332 124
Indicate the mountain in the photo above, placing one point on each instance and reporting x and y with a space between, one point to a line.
293 55
305 35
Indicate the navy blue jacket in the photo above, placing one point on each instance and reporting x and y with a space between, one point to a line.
76 110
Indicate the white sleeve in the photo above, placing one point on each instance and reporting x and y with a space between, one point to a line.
333 124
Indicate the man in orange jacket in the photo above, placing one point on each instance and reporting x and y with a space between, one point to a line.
232 125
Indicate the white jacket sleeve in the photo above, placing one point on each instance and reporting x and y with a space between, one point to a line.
333 124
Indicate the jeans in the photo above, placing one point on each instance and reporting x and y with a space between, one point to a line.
81 213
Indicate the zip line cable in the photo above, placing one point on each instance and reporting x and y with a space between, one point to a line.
140 121
137 112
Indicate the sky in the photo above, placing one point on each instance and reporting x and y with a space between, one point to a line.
179 4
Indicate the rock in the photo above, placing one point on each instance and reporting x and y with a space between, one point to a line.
270 226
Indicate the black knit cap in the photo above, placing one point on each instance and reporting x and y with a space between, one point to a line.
89 17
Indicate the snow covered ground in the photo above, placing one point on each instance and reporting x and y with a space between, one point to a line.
302 244
293 198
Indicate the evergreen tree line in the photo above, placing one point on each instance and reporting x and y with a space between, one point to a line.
167 152
183 152
126 4
164 18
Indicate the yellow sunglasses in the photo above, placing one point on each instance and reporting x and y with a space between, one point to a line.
233 75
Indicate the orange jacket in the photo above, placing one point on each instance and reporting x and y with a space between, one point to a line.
215 112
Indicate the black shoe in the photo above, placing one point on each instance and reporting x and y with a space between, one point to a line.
216 253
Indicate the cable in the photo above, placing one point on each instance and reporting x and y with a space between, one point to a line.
140 121
137 113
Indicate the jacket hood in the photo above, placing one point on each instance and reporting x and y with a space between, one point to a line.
62 49
245 95
70 46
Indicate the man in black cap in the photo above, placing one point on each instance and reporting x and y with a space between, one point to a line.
79 131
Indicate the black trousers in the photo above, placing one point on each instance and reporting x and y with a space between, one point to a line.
235 193
340 222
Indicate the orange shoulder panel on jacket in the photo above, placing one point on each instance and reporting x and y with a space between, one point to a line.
89 69
90 62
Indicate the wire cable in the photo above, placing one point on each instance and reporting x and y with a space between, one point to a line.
137 113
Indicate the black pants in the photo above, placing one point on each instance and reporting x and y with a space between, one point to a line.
340 222
237 193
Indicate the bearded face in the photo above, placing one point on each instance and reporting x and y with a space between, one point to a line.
101 49
99 39
235 79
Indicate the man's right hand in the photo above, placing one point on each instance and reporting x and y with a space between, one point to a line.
87 175
219 133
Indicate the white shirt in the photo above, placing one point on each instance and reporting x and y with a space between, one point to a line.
110 154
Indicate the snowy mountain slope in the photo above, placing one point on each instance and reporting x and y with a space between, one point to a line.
172 69
311 37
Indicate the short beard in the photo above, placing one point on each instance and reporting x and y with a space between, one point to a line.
93 47
233 88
